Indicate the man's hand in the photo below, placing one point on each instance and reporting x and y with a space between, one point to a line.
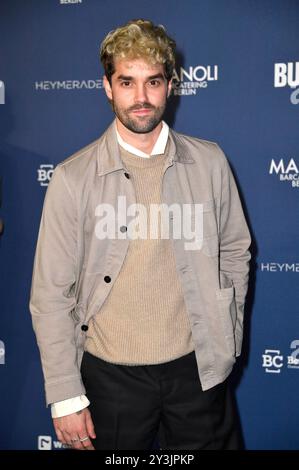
75 430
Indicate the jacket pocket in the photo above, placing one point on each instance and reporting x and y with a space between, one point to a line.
228 313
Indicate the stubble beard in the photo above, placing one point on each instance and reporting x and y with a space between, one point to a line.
139 124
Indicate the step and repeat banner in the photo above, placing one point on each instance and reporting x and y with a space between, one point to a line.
237 83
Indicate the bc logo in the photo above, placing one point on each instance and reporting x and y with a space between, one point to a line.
272 360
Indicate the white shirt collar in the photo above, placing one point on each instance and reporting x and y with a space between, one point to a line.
158 148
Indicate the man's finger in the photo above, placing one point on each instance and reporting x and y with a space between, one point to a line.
76 443
90 426
66 438
60 436
86 442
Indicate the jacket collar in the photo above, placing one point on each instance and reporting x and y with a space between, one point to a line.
108 154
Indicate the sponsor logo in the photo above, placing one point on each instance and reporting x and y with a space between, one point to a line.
44 443
44 174
2 352
67 2
48 85
273 360
293 359
287 171
280 267
189 81
287 74
47 443
2 92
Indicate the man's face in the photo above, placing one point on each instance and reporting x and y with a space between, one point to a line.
138 94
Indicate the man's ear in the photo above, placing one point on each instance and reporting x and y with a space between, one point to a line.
169 88
107 87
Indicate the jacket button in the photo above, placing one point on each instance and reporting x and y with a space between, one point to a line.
84 327
107 279
127 175
123 228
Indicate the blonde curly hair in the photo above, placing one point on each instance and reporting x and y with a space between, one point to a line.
138 39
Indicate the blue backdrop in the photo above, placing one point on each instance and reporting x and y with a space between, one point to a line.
238 74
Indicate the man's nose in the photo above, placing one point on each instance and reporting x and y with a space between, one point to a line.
140 93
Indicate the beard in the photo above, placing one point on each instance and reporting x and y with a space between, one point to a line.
139 124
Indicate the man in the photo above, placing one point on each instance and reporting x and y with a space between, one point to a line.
139 324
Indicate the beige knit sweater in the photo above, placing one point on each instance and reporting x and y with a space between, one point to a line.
144 318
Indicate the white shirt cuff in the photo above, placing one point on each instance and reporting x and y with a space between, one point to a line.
69 406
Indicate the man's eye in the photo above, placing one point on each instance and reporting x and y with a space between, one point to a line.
125 84
154 82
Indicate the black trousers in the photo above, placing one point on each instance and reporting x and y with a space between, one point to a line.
133 405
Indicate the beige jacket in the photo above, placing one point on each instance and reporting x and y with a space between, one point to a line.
74 270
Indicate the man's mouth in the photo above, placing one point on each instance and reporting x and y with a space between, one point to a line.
142 111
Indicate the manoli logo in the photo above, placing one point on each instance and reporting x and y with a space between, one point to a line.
286 170
287 74
186 81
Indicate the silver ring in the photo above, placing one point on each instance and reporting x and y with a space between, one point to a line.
84 439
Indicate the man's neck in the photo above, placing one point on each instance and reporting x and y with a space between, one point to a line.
143 142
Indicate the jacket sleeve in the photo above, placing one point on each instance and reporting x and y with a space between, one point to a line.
235 241
52 296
